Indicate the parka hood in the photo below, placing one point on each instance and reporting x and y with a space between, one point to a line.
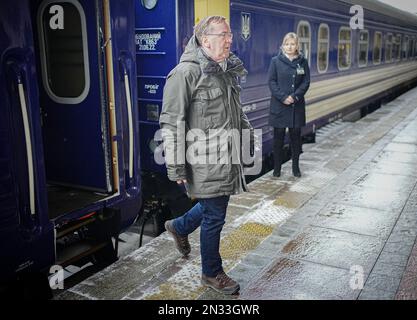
193 53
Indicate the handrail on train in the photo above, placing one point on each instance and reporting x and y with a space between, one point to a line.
130 119
29 151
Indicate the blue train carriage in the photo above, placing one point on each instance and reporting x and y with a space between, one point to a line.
69 141
353 67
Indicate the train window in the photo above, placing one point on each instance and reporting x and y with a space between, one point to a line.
363 48
388 48
304 35
411 48
64 54
396 47
404 49
323 48
415 48
344 51
377 52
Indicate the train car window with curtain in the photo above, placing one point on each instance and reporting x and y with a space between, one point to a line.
396 48
388 48
411 48
377 52
404 50
304 35
323 48
363 48
344 50
63 59
415 48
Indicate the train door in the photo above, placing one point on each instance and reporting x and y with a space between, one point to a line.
72 95
26 234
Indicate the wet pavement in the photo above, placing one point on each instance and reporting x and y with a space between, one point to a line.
345 230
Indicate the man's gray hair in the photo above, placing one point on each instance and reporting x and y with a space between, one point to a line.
204 26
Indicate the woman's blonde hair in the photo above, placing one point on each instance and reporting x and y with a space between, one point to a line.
291 35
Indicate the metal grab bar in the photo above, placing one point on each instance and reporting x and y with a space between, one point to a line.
23 106
130 118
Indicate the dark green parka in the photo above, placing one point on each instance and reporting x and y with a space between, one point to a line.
200 99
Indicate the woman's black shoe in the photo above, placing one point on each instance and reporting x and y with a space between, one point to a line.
276 173
296 170
296 174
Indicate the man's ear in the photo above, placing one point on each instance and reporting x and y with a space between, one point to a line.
205 43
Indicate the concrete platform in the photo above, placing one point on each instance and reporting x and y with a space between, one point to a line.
345 230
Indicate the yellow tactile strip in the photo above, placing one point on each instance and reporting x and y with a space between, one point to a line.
244 239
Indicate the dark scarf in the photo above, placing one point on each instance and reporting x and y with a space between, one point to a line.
209 66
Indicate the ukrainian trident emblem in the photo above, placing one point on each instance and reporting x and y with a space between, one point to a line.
245 29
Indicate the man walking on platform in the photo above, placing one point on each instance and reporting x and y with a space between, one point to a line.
202 99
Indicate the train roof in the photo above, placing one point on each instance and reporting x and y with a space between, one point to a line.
403 17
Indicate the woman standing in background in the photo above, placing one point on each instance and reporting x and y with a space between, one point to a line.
289 80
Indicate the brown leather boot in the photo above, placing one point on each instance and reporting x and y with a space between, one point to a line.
221 283
181 242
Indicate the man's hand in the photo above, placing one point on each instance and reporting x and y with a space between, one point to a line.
183 181
289 101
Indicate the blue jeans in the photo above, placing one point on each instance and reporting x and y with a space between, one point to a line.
210 214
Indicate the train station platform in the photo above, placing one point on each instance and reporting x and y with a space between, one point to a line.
345 230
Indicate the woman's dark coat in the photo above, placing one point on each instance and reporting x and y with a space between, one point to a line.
284 81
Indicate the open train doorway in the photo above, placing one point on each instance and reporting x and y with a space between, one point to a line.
75 118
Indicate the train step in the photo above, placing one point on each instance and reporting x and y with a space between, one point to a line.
71 228
76 252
